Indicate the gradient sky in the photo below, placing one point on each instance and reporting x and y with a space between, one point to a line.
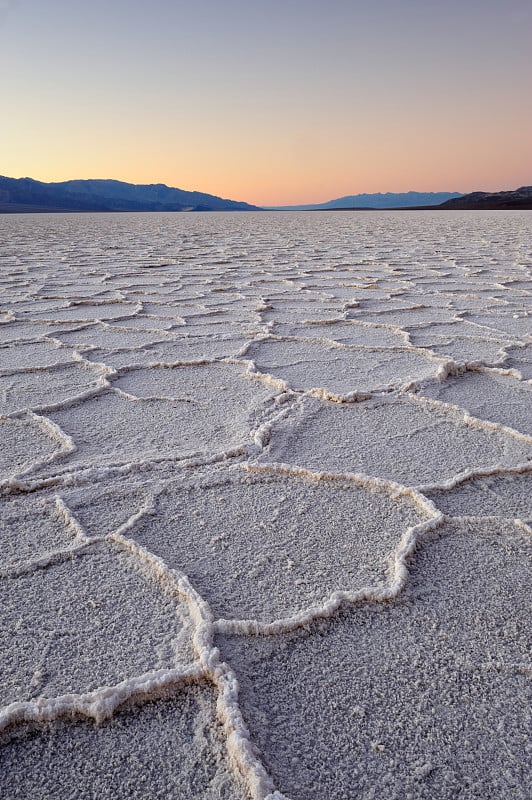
269 101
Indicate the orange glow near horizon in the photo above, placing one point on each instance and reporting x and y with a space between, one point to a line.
266 105
275 177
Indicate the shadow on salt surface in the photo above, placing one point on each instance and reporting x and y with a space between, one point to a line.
422 698
30 528
338 370
32 390
165 413
268 545
172 748
398 437
88 621
508 496
26 443
487 395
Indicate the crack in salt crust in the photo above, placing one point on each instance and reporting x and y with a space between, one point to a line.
259 428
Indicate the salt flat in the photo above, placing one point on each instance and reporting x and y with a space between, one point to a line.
265 505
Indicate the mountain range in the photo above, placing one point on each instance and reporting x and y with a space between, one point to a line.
377 201
27 194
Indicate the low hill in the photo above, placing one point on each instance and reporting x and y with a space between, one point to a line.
26 194
517 198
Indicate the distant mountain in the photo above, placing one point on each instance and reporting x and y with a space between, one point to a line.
379 200
26 194
518 198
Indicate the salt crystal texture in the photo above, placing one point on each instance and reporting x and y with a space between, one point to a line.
265 509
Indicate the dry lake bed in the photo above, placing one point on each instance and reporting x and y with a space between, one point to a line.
266 505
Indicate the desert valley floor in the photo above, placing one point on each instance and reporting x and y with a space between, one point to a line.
265 505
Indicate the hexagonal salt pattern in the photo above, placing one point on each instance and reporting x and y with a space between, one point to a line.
266 545
195 606
338 370
88 620
401 438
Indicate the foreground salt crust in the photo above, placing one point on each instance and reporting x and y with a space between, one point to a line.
265 505
422 698
178 742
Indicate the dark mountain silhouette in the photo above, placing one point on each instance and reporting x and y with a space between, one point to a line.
26 194
517 198
379 200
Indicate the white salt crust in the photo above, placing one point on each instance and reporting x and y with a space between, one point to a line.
252 365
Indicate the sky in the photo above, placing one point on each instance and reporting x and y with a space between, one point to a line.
269 101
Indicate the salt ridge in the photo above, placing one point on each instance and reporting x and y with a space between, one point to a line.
245 281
